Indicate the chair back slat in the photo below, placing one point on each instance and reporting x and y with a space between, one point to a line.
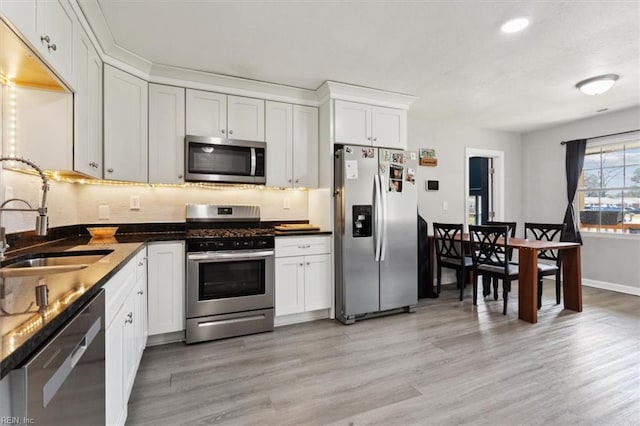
544 232
511 226
488 244
448 239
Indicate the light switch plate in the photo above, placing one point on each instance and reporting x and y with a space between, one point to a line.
103 211
134 202
286 204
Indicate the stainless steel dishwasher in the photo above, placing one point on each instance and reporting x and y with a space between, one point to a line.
64 383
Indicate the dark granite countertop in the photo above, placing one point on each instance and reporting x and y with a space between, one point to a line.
23 334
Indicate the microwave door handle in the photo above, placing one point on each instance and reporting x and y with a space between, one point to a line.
253 162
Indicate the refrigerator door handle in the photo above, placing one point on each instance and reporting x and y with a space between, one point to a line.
377 211
384 219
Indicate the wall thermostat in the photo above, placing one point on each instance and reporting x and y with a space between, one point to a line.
431 185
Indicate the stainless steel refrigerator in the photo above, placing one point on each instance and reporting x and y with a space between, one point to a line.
376 232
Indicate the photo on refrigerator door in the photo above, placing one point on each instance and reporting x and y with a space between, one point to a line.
395 178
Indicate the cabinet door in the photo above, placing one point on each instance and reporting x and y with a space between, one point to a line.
305 146
245 119
279 138
87 149
352 123
206 113
59 24
125 126
140 306
114 370
389 127
166 287
129 357
317 282
289 285
166 134
22 14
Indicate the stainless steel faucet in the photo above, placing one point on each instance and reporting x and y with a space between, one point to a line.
41 220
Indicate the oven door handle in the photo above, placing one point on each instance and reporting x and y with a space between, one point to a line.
237 255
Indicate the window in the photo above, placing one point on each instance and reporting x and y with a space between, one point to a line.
609 190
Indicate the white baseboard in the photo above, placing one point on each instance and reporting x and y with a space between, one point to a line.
301 317
620 288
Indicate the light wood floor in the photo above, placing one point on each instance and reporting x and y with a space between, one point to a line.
447 364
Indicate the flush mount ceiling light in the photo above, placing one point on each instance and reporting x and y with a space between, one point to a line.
597 85
515 25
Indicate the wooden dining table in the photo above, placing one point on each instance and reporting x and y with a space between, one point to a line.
528 274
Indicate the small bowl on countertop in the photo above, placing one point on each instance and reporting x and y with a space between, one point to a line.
102 232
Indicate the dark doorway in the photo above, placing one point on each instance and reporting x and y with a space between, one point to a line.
480 190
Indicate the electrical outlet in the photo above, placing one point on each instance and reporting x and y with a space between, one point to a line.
445 206
103 211
134 202
286 204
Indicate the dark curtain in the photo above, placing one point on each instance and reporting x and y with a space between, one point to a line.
574 161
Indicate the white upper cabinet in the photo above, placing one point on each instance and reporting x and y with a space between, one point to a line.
279 135
219 115
389 127
206 113
305 146
363 124
125 126
166 133
87 149
292 145
49 25
245 118
352 123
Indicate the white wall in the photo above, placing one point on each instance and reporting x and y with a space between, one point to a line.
607 261
450 141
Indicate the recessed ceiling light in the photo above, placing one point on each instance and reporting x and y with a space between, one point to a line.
597 85
515 25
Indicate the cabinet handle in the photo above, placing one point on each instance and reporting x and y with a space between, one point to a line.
110 170
129 319
222 131
179 176
375 139
46 39
141 263
289 181
52 47
230 132
141 292
308 263
369 138
297 180
301 264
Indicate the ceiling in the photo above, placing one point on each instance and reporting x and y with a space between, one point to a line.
450 54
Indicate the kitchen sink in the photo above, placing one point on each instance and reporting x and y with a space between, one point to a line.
52 263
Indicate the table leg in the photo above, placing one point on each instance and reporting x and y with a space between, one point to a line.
528 285
572 279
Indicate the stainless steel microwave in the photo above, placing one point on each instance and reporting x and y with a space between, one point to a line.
213 159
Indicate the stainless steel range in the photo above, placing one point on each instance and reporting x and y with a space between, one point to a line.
230 272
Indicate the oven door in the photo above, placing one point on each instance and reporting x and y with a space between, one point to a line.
229 281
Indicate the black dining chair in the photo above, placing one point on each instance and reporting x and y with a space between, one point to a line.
512 233
450 253
549 261
488 245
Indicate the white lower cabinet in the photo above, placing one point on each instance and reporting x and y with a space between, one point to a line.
166 287
303 274
126 325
